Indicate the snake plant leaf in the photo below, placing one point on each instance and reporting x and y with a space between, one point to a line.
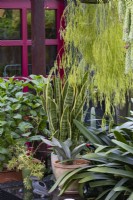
90 136
53 115
77 150
108 170
64 124
57 89
124 146
130 197
120 137
112 192
64 91
68 101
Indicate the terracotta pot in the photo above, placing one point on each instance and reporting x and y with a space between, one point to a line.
9 176
61 168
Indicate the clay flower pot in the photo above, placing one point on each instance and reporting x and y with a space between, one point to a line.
60 168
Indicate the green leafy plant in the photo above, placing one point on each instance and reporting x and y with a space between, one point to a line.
112 163
63 151
98 24
21 115
23 159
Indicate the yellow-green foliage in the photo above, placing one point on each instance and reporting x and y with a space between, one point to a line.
24 160
93 42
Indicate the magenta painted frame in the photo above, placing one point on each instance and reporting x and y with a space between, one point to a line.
24 5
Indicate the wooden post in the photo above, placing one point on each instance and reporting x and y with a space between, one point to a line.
38 37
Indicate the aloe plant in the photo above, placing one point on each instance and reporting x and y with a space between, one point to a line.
63 149
64 100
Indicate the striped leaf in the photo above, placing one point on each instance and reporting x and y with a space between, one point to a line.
53 115
68 101
64 124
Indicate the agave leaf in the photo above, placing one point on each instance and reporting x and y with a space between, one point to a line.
66 150
90 136
77 150
68 142
124 146
60 153
56 142
109 170
112 192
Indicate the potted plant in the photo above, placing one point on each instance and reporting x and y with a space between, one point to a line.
67 160
23 159
112 169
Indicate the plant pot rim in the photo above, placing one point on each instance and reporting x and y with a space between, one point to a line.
77 163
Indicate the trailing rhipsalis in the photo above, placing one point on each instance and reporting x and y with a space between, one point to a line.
93 41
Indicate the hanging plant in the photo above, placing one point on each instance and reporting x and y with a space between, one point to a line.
93 42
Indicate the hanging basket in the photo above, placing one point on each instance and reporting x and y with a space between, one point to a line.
93 1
